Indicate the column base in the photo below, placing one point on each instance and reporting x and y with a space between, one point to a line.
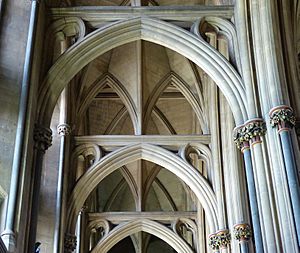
9 240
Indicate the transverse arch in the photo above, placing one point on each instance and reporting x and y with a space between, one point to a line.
149 29
148 226
97 172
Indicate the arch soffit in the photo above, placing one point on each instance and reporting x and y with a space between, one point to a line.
126 229
152 153
153 30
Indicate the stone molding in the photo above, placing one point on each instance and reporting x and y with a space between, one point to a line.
152 153
137 225
42 137
70 243
64 129
97 14
242 232
252 130
282 117
149 29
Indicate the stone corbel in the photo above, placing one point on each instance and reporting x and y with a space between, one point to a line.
63 129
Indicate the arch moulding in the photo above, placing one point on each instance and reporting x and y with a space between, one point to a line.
126 229
149 29
113 161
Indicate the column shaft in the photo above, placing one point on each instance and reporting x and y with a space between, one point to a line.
245 247
20 133
264 196
292 177
253 201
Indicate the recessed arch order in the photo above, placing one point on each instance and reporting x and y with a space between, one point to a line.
149 29
158 155
151 227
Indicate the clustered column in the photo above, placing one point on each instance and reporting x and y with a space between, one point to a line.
282 117
243 135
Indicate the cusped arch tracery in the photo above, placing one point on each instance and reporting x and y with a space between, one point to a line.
153 30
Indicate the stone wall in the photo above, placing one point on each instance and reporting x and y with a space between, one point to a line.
13 34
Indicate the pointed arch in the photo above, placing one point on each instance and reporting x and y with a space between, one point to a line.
128 228
153 30
183 87
110 80
187 173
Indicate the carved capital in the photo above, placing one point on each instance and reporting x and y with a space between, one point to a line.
224 238
282 117
63 129
242 232
42 137
238 137
251 131
214 242
70 243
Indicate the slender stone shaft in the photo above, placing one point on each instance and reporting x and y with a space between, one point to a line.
242 135
9 235
292 177
283 118
253 201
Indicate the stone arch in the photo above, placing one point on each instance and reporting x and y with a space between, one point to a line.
98 171
183 87
126 229
117 86
153 30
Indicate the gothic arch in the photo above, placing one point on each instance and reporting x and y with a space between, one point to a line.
183 87
117 86
153 30
148 226
152 153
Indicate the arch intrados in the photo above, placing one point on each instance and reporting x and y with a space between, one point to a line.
153 30
142 225
198 184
